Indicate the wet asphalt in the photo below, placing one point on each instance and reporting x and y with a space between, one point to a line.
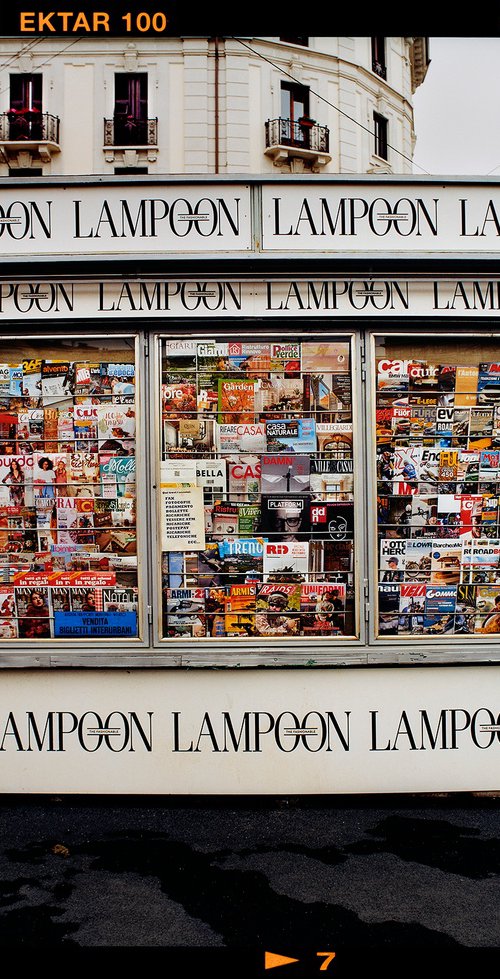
227 880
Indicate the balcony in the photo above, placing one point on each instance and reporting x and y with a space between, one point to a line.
125 131
29 136
130 141
304 139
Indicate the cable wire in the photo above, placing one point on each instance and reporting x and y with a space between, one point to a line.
331 104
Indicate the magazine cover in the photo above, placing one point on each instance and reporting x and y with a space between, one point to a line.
411 608
285 357
327 556
332 520
466 386
446 560
246 437
286 517
418 559
236 401
248 518
325 356
241 561
331 479
285 473
278 610
440 605
278 394
322 607
392 559
239 610
211 474
286 561
57 381
335 439
392 375
185 612
115 421
180 354
179 398
195 435
488 384
33 609
243 478
291 435
224 521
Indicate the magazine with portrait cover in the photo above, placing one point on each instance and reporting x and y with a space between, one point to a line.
33 610
278 610
286 517
392 559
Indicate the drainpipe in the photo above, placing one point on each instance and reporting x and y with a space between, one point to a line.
216 108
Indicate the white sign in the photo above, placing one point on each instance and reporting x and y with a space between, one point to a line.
381 216
146 218
274 731
332 298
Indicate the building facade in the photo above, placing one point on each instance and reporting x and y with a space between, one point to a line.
198 105
250 525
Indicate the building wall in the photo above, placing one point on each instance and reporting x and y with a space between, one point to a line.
212 98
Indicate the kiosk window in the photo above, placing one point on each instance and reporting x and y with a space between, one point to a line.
68 554
438 473
257 491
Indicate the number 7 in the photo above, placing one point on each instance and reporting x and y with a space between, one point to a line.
328 958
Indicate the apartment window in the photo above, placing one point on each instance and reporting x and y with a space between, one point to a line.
25 109
131 109
378 56
380 127
294 108
304 41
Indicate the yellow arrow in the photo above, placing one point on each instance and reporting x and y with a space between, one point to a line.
271 960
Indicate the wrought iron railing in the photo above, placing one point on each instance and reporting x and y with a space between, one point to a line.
28 124
130 131
305 134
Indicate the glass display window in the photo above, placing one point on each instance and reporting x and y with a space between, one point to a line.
68 528
437 420
257 503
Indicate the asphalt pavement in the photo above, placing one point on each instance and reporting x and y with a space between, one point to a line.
252 886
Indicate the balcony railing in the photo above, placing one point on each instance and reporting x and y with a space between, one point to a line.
130 131
28 125
303 135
